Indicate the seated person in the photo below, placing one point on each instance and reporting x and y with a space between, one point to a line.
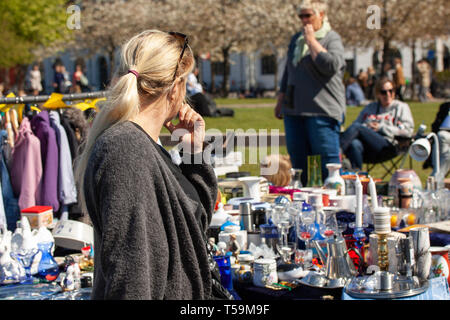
372 136
201 102
441 126
354 94
192 85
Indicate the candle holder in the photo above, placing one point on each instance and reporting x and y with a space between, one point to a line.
384 284
383 258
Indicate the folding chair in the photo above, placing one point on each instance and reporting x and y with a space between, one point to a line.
396 162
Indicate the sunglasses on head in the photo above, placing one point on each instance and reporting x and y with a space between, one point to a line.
305 15
385 92
182 38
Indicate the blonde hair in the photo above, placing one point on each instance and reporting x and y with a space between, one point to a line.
316 5
154 55
282 177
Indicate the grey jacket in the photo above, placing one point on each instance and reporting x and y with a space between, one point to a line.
318 85
149 236
395 120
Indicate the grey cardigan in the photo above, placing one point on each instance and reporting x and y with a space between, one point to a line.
318 89
149 242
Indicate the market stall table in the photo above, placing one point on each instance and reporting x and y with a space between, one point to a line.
438 290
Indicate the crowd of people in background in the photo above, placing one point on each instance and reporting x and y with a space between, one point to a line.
62 82
360 89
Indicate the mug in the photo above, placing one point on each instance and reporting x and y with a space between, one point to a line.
440 265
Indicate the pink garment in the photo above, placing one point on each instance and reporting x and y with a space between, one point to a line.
26 166
282 190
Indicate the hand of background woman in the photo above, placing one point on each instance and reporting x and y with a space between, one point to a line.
192 129
308 32
374 126
277 111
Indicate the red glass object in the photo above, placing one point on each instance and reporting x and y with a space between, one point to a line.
351 243
328 233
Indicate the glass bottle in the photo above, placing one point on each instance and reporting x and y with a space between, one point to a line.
296 182
48 268
314 171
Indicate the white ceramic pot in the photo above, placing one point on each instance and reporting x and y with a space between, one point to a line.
73 235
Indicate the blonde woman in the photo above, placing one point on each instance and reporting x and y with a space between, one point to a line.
150 216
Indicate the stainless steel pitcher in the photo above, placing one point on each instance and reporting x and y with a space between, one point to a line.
338 264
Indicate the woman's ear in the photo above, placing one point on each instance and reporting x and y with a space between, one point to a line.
322 15
177 90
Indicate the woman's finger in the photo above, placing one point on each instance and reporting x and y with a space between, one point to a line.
170 126
189 118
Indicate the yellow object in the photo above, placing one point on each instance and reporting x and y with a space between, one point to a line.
55 101
88 104
5 107
34 108
83 106
411 219
394 219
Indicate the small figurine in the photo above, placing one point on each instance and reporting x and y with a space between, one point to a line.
68 282
77 273
213 246
221 248
72 280
233 245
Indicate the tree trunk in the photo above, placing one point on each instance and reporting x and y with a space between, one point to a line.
213 80
226 63
385 38
199 65
112 63
386 50
413 70
275 76
21 76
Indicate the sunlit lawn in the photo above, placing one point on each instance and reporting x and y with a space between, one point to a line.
248 117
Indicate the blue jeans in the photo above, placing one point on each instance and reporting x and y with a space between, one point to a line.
360 143
307 136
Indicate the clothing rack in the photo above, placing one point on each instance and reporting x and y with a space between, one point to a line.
66 97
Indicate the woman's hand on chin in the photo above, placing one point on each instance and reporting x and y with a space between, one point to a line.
190 129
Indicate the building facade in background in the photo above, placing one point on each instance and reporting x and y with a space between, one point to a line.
253 72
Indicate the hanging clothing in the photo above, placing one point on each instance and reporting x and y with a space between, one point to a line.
10 203
26 167
3 222
6 148
41 127
71 137
67 192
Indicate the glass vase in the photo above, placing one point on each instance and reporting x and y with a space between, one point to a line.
48 268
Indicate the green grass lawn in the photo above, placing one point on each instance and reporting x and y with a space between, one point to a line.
237 101
247 117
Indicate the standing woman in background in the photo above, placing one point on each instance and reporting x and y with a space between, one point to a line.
150 216
312 94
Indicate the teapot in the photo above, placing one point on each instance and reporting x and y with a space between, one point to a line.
338 264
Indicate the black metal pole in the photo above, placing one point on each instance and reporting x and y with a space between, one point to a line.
66 97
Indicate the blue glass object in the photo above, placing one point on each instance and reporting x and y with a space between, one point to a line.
282 200
360 236
48 268
26 260
225 271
